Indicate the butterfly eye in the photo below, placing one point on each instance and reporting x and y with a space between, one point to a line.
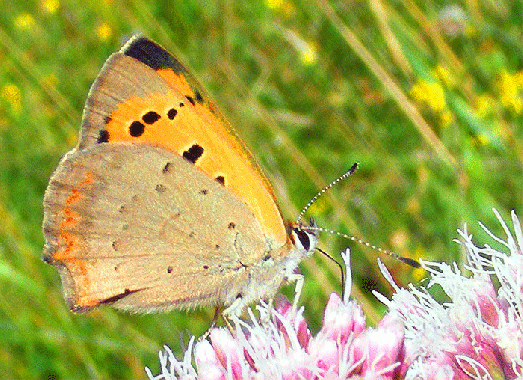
303 238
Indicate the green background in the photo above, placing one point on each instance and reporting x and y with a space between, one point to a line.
425 97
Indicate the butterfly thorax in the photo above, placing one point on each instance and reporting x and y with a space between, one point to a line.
263 278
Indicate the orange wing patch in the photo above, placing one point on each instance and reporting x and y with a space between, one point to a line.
170 121
70 249
182 122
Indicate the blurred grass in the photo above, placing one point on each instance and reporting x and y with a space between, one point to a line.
426 97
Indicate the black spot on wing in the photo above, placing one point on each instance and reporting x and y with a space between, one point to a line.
172 113
198 96
190 99
103 137
168 168
221 180
151 117
136 129
193 153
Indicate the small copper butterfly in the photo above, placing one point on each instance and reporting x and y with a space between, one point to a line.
160 206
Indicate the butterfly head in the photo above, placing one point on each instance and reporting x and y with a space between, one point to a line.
302 236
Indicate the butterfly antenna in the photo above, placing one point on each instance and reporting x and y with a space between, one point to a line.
413 263
325 189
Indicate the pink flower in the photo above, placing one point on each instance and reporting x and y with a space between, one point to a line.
342 319
281 346
476 334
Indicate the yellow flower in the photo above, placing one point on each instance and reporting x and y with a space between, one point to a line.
104 31
308 54
435 97
508 88
274 4
430 93
445 118
24 21
484 105
50 6
444 76
12 95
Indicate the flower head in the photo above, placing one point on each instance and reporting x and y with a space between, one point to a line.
478 334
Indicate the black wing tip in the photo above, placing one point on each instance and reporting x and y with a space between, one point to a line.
151 54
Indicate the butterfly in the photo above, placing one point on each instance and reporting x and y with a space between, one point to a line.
160 206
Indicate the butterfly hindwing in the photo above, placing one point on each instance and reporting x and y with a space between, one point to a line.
133 227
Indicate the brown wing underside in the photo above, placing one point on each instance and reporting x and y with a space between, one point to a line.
144 228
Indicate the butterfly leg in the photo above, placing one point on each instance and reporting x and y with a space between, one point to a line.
228 323
266 316
232 312
235 308
299 279
217 311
